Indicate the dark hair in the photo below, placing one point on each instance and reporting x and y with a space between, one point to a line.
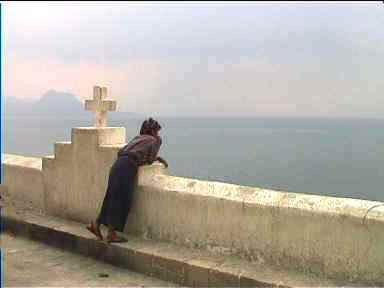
148 126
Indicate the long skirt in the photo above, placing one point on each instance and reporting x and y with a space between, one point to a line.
117 202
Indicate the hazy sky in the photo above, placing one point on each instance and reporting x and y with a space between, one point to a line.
198 59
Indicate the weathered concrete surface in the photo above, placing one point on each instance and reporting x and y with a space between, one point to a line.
166 261
337 237
74 180
24 179
30 264
325 235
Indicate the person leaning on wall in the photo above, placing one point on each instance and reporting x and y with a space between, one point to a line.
141 150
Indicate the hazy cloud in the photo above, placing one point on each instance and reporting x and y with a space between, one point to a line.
202 58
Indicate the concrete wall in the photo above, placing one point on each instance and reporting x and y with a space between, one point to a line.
24 179
325 235
72 182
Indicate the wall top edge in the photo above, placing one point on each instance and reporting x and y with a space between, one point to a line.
24 161
266 198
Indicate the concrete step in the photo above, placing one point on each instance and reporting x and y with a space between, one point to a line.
165 261
28 263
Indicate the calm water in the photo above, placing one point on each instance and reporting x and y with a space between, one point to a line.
330 157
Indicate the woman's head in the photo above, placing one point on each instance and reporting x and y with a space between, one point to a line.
150 127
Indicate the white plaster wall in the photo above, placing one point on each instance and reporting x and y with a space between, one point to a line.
73 177
324 235
23 178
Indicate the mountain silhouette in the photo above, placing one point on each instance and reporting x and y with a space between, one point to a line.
56 104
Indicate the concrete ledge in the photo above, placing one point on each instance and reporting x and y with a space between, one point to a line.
24 178
23 161
337 237
165 261
98 135
341 238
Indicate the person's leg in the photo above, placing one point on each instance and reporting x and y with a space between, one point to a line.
102 218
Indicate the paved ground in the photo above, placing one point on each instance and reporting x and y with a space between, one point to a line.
29 263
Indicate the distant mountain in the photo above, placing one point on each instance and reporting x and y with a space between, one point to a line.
56 104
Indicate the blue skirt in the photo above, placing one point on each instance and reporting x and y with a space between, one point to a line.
117 202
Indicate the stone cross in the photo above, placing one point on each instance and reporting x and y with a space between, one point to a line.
100 106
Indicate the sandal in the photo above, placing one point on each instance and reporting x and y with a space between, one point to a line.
114 238
92 228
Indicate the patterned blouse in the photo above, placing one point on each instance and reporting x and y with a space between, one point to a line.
142 149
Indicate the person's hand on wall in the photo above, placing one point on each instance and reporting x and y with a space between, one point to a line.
161 160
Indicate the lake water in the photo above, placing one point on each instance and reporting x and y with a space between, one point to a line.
317 156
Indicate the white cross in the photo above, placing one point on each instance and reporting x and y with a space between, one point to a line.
100 106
